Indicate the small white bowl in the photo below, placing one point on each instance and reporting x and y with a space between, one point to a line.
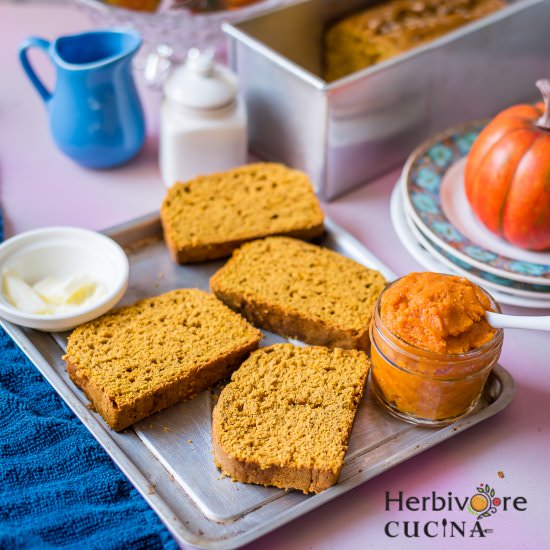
61 252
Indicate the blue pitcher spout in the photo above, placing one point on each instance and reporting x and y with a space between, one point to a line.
93 49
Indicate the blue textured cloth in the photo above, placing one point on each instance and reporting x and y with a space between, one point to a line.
58 487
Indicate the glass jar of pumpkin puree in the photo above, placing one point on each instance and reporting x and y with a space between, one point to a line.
431 347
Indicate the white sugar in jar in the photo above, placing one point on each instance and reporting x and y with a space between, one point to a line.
203 121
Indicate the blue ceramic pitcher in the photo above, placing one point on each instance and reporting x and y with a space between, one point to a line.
95 113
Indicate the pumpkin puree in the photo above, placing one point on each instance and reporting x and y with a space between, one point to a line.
439 313
427 347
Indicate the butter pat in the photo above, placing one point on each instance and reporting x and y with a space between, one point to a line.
51 295
21 296
73 290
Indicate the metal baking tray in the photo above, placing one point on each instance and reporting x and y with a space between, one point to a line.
351 130
168 456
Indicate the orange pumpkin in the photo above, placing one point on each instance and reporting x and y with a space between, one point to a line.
507 177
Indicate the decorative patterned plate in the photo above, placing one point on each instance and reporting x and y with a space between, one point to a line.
488 280
480 276
428 176
399 221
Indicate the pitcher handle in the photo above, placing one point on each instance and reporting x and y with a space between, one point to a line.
34 42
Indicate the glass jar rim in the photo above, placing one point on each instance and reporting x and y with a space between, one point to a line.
415 350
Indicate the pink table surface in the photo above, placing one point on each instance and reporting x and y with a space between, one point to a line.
40 187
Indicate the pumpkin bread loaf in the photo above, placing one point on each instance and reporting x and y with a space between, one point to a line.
142 358
301 290
389 28
208 217
286 416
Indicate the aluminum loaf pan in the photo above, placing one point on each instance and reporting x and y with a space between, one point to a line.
346 132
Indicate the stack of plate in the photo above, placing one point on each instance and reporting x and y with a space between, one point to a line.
434 221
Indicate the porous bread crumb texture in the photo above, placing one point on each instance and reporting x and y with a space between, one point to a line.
142 358
301 290
389 28
208 217
286 416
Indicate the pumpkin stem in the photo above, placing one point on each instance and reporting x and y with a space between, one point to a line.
544 86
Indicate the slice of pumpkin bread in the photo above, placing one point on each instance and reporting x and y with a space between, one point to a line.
142 358
208 217
286 416
301 290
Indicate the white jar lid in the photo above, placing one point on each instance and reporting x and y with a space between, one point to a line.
201 83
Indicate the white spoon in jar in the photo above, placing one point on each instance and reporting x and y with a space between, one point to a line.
499 320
